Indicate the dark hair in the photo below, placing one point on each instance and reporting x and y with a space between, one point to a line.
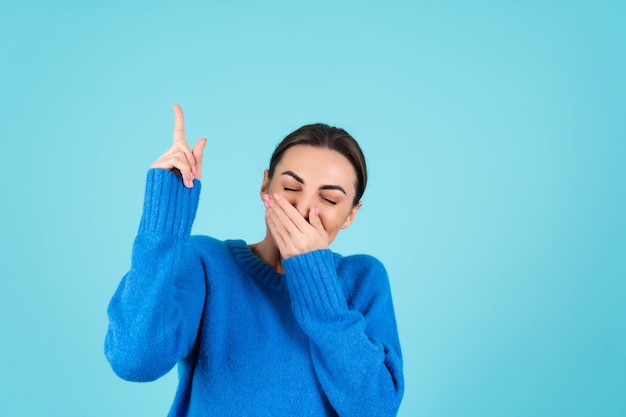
323 136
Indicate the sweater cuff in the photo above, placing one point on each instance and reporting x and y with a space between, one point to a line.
169 207
314 287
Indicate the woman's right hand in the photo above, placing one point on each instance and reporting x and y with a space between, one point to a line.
180 158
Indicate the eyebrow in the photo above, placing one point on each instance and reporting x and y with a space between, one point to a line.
323 187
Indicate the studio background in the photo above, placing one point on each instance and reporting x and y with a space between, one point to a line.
495 136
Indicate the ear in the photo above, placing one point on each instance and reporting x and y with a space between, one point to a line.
351 215
266 183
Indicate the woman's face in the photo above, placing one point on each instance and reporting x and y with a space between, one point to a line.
309 177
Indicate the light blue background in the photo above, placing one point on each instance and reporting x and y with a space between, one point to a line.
497 149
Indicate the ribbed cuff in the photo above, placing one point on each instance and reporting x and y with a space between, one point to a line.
169 207
315 291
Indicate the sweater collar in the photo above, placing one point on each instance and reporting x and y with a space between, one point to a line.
255 267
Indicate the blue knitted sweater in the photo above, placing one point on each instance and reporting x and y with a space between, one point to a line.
320 340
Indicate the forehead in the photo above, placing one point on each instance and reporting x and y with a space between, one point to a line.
317 164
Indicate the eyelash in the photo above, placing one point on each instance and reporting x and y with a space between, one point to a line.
293 190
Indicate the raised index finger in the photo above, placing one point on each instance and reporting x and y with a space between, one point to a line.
179 124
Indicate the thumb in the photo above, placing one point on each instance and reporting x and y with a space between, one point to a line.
198 153
316 222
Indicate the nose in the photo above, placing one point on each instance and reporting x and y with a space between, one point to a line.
303 203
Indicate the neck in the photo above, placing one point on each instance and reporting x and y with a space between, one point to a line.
268 252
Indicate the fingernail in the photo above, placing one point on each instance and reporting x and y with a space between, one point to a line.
276 196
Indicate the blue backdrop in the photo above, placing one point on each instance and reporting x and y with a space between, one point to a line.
497 148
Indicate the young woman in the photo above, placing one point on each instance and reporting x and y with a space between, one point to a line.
282 327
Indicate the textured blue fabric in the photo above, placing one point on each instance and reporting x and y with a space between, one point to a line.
320 340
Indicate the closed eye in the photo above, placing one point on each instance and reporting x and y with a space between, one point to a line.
329 201
290 189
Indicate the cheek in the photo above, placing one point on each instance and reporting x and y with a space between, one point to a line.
289 197
330 220
271 190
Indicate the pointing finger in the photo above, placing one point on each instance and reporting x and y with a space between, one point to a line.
179 124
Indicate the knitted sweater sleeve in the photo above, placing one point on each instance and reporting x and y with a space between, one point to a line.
354 340
155 312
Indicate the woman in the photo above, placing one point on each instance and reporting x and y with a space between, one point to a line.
283 327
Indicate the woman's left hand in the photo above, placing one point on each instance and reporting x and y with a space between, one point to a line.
293 234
